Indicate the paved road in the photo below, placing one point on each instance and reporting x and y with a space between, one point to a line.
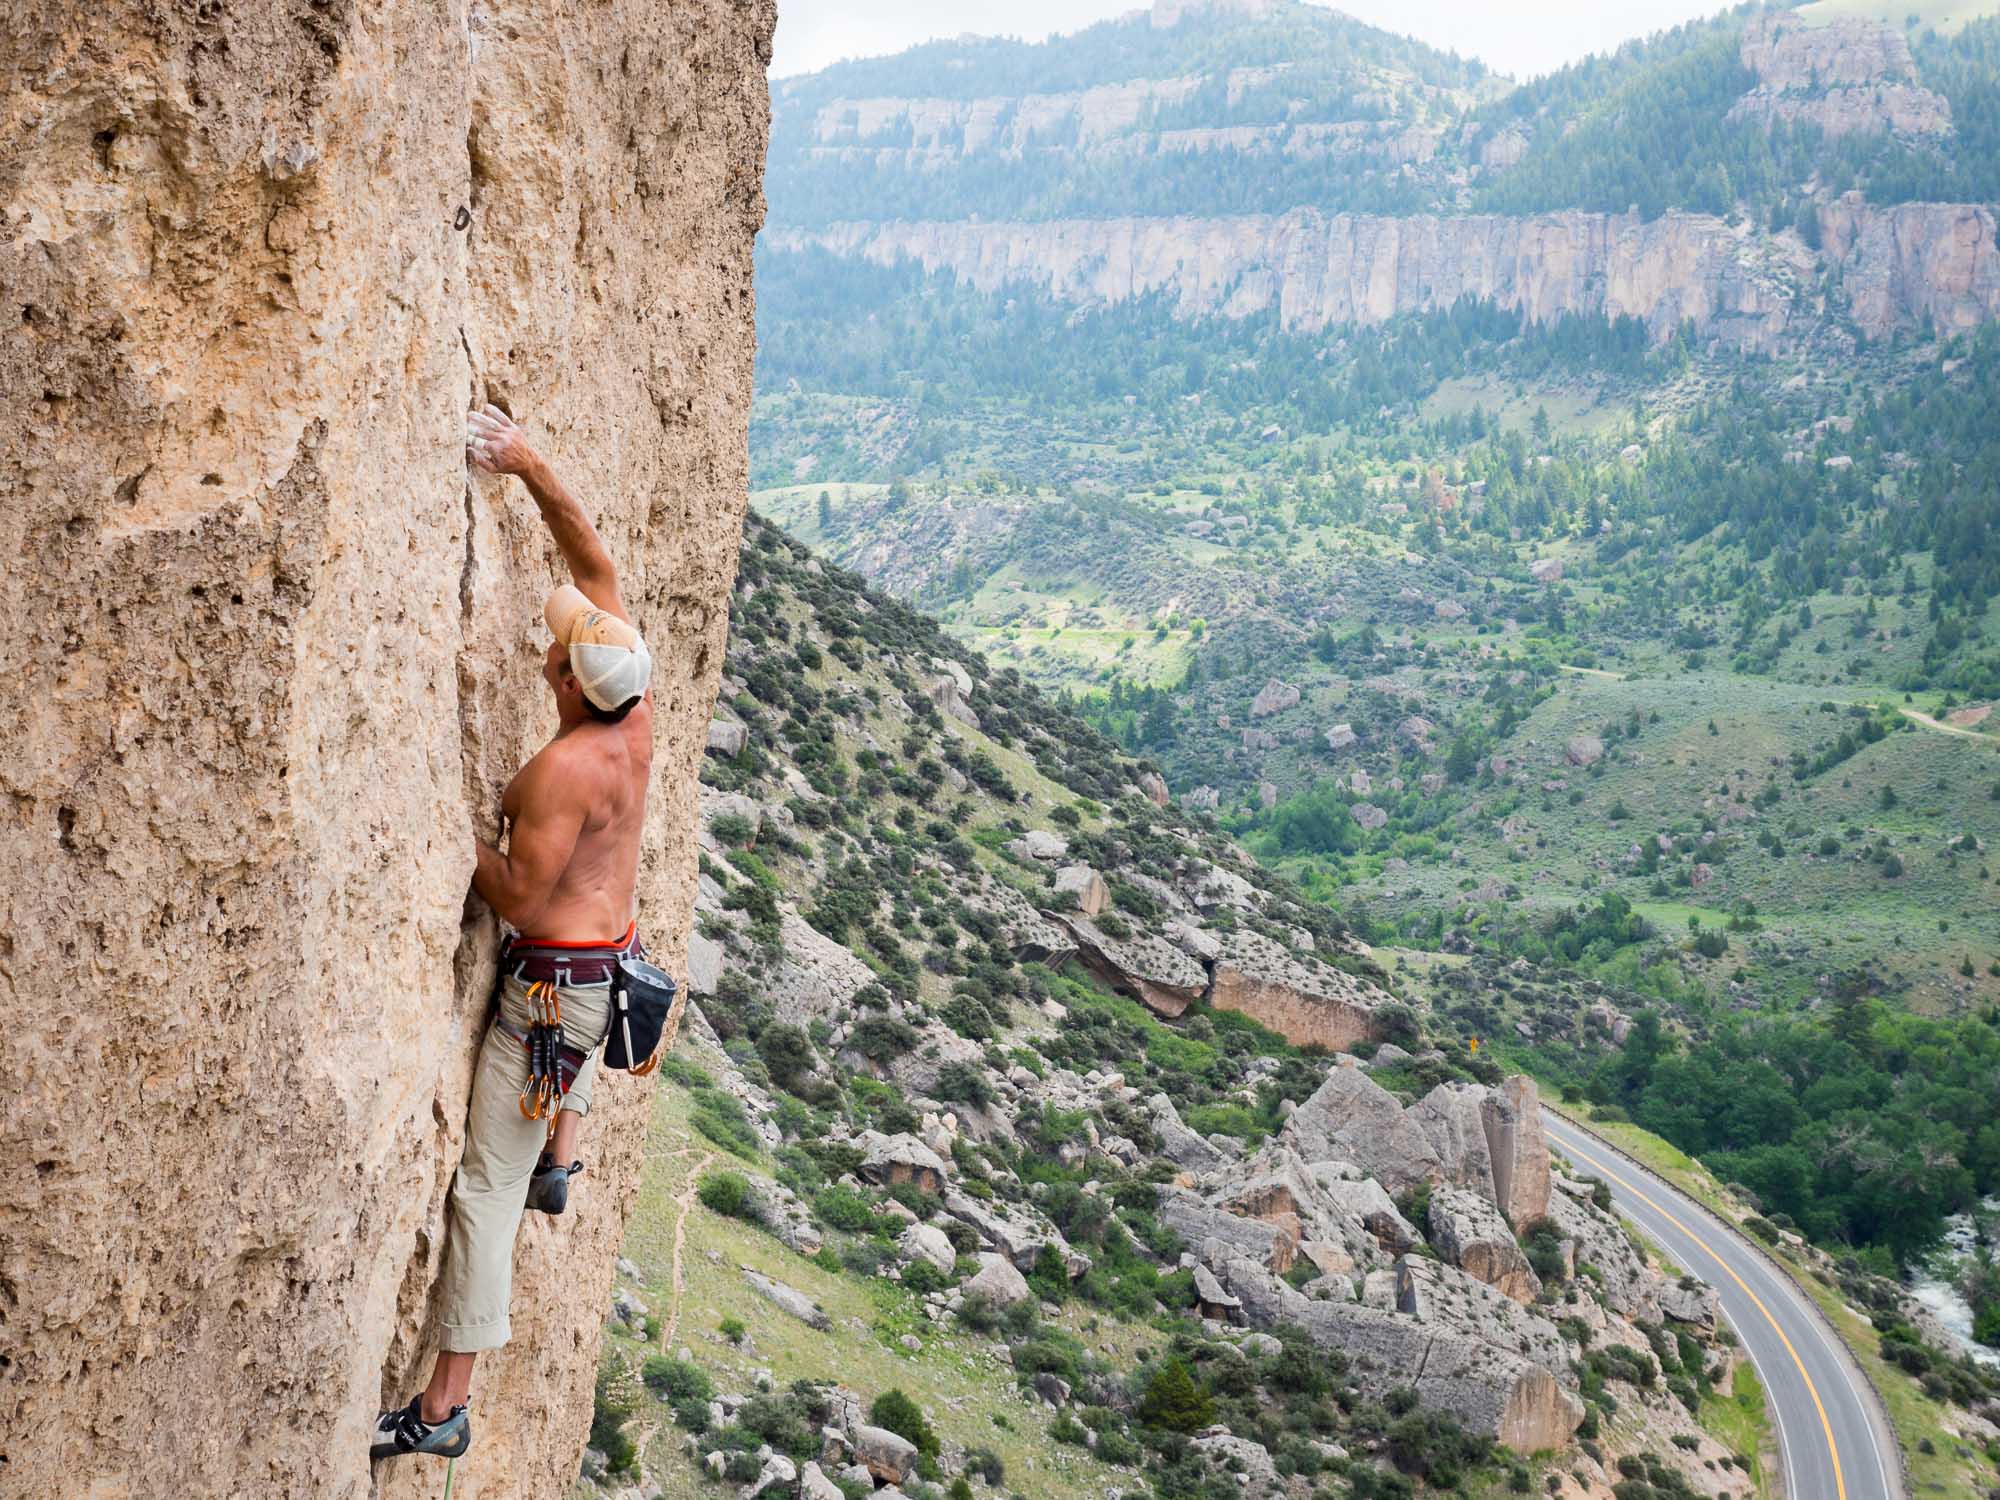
1835 1441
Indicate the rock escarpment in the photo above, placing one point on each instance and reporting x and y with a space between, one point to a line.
277 656
1319 270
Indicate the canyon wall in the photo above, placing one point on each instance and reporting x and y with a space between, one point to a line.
1889 268
275 655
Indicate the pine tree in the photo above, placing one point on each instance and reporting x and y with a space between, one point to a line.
1173 1401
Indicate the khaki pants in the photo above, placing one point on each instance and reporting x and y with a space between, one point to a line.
490 1192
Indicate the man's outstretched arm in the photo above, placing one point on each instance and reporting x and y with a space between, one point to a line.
496 445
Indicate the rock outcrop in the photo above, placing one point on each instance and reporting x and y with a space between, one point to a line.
1432 1343
1842 78
277 654
1309 1004
1141 964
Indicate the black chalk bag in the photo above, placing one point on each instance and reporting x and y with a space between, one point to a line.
644 1016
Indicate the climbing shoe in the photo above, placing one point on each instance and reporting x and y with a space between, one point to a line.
406 1431
548 1189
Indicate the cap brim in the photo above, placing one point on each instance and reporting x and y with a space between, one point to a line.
566 605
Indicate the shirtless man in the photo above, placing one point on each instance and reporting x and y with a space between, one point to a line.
566 886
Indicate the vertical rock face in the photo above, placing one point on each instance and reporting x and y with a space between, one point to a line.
275 657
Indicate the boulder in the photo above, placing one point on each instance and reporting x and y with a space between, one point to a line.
892 1159
1178 1143
1350 1117
1198 943
705 963
998 1281
1038 844
779 1474
1274 697
1251 1462
1369 817
1211 1300
1453 1119
1690 1301
726 738
1467 1231
1154 786
1030 936
927 1242
889 1457
1546 569
1585 750
815 1485
1092 894
1307 1002
1196 1221
1008 1228
787 1299
1342 737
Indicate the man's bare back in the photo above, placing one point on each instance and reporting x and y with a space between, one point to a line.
604 770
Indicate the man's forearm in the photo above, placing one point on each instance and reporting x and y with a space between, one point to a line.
581 547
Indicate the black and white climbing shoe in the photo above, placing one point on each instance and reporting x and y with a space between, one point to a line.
406 1431
548 1189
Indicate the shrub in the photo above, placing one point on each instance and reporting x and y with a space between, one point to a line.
732 1329
733 829
843 1208
608 1411
986 1464
964 1083
677 1379
923 1277
896 1412
728 1194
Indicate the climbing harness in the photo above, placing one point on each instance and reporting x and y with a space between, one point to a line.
542 1095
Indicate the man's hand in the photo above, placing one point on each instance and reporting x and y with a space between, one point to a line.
495 445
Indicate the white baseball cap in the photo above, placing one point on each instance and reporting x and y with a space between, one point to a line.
608 657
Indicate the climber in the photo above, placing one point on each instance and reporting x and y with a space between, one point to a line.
566 885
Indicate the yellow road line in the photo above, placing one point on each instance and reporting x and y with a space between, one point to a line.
1826 1427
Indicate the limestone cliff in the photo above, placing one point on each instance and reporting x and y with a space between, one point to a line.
275 657
1894 267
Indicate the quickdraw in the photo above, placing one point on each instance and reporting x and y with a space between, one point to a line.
542 1096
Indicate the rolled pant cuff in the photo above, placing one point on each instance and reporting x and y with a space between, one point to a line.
474 1338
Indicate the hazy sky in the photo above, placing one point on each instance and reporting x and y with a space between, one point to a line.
1523 38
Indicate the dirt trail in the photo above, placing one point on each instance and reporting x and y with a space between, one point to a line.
684 1203
1943 728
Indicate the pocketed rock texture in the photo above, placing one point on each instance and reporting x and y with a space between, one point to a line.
275 657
